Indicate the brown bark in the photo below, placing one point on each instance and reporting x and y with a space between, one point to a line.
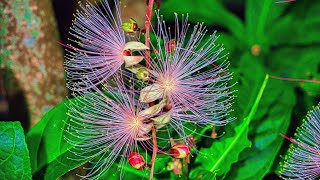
29 49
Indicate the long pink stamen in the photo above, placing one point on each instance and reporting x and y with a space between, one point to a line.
67 46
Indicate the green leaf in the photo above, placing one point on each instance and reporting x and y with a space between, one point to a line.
305 67
130 173
45 139
49 152
272 118
211 12
200 173
222 154
260 15
300 25
14 155
248 74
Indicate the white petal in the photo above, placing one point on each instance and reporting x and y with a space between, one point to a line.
151 93
132 60
162 120
135 45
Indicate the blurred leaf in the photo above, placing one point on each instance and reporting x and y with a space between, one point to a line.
207 11
298 63
272 118
260 15
300 25
248 74
14 156
114 173
161 164
222 154
200 173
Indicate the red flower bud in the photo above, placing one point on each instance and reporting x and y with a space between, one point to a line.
170 46
180 151
136 160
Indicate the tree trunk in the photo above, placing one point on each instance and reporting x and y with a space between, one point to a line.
28 38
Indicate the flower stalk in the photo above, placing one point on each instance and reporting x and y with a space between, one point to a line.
147 58
147 27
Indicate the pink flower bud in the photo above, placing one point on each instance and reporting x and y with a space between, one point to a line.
136 160
180 151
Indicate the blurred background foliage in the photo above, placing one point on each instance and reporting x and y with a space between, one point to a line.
261 37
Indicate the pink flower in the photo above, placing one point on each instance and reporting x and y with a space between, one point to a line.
102 47
106 126
303 158
186 72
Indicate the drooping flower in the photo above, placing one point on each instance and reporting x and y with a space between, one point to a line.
136 160
185 72
106 126
180 151
303 158
102 46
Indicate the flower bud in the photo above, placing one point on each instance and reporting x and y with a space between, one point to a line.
180 151
136 160
143 74
170 46
130 27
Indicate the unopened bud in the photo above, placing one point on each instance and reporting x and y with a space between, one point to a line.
136 160
170 46
130 27
180 151
143 74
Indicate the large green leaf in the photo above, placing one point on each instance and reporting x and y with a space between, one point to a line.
45 139
49 152
272 118
14 156
222 154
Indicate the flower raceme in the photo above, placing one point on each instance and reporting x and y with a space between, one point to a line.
102 47
303 158
182 85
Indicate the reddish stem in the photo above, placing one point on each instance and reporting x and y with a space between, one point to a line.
284 1
154 152
147 27
296 80
147 57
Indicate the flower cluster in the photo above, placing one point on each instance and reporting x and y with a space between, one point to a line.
303 158
119 100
